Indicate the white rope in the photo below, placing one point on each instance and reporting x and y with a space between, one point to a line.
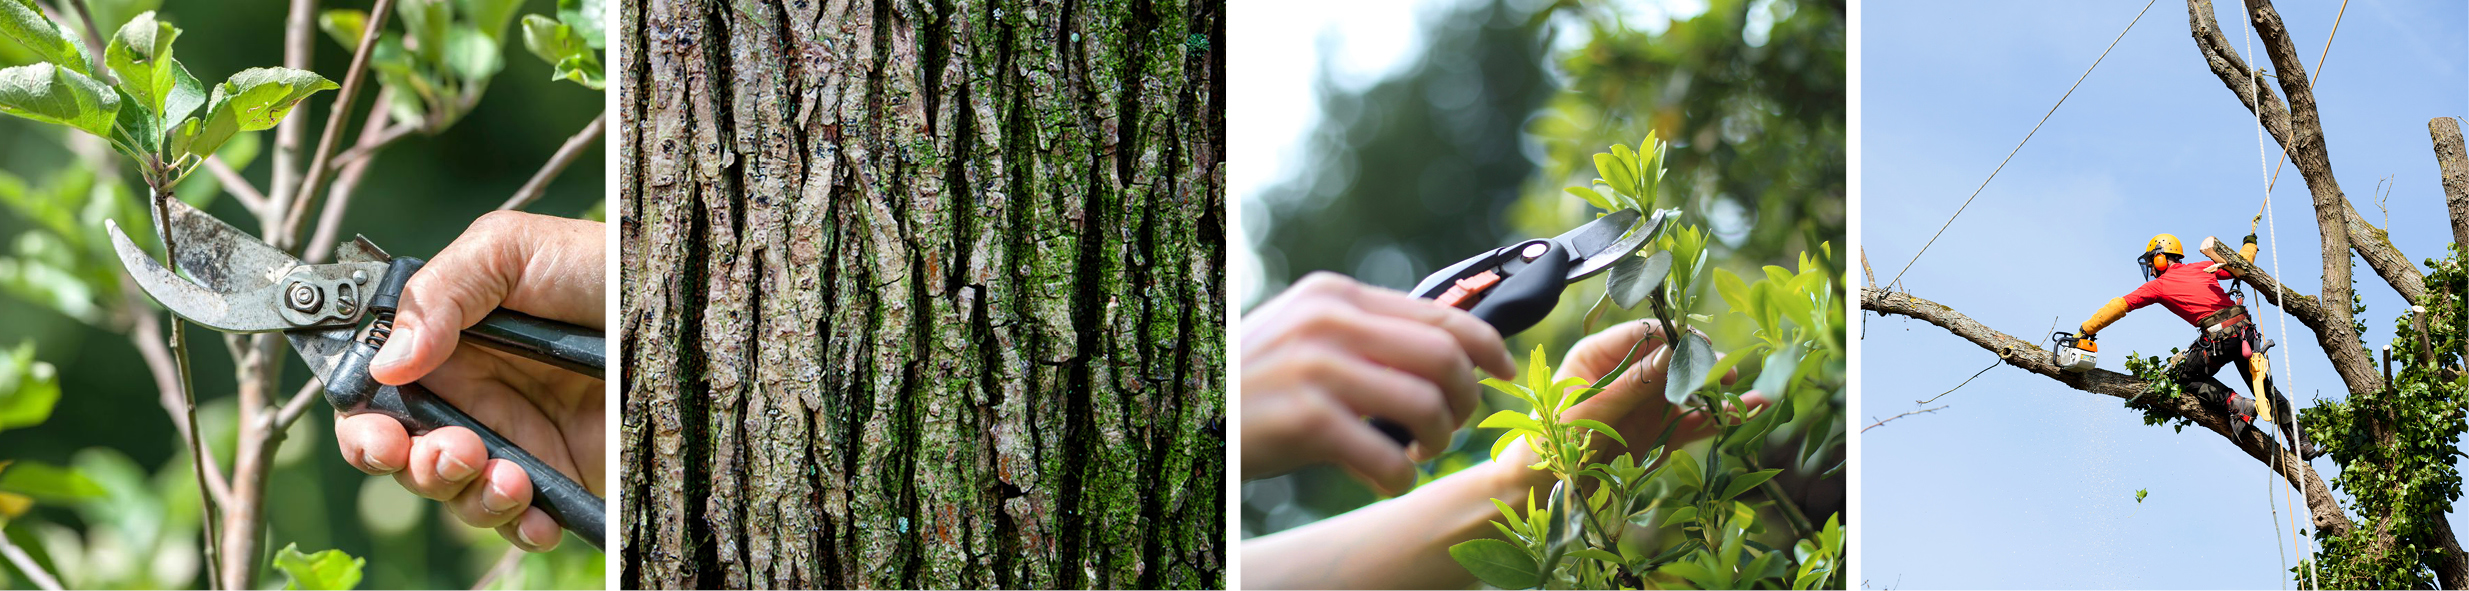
2010 154
2264 167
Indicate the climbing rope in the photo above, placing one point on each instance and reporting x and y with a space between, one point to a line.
2271 176
2010 154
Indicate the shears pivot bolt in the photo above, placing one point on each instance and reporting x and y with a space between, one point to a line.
302 297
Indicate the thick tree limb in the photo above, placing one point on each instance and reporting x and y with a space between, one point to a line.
2305 146
2454 167
2355 364
2327 515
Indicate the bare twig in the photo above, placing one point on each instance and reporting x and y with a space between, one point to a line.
353 79
237 185
299 404
26 564
505 566
1975 375
367 146
1882 422
146 332
180 365
338 197
566 155
299 48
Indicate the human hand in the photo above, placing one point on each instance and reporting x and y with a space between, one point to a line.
545 266
1633 403
1330 351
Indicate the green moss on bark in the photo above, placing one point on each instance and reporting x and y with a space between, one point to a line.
923 294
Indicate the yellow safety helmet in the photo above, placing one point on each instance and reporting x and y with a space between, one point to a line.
2160 244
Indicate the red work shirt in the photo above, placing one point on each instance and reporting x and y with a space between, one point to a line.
2186 290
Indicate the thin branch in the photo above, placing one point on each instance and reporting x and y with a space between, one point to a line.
237 185
299 49
2328 516
299 404
26 564
147 334
1882 422
353 79
338 196
1966 381
566 155
505 566
367 147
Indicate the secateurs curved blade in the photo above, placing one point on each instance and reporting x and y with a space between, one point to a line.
1515 286
336 315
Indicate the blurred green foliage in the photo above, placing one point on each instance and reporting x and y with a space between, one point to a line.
1474 147
134 522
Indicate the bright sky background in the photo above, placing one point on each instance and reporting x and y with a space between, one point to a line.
2024 482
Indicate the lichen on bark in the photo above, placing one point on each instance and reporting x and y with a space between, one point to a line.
922 294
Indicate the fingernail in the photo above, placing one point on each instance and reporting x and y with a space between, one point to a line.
526 534
496 500
393 352
370 460
452 469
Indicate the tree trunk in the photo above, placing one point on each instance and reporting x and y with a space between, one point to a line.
2453 166
923 295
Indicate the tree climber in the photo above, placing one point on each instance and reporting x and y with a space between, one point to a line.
2226 334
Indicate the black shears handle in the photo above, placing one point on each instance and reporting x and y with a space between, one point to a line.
566 346
1511 288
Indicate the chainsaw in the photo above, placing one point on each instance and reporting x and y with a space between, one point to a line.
2075 354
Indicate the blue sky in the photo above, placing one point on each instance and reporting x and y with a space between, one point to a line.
2023 482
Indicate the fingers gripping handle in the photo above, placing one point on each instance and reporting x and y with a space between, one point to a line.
573 506
1511 306
420 411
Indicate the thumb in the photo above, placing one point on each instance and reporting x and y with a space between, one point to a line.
454 291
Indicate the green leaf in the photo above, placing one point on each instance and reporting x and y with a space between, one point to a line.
47 482
1691 362
136 126
1498 563
344 25
1743 482
28 388
55 42
472 54
328 569
140 54
252 100
52 94
1599 427
1510 419
1608 167
584 16
259 97
560 45
1509 513
2139 493
1634 278
1776 376
1597 554
185 96
1512 388
1695 573
1680 516
1591 197
490 17
426 21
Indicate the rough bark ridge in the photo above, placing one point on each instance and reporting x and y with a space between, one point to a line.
922 294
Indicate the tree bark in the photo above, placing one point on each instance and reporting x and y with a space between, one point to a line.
2453 165
2327 515
2304 142
922 294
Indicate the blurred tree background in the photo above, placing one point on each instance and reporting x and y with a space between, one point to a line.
132 521
1469 148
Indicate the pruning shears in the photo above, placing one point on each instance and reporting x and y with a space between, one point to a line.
337 315
1515 286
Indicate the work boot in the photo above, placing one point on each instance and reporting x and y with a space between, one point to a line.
2241 415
